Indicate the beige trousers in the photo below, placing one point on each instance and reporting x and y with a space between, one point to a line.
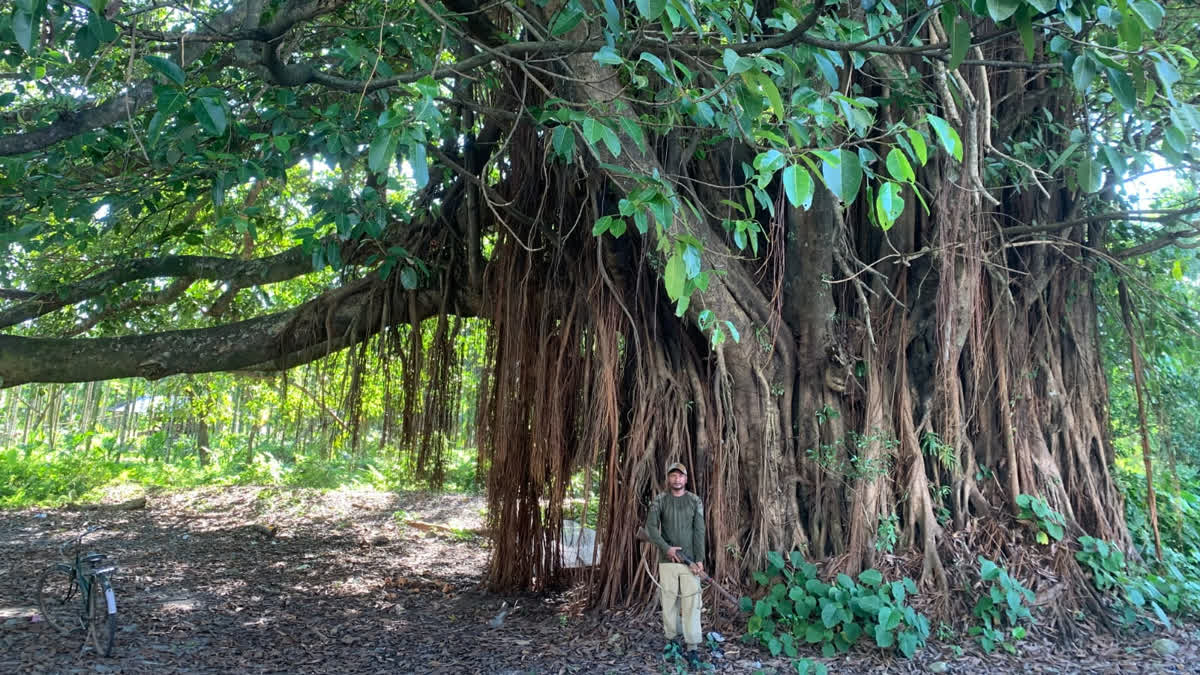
680 592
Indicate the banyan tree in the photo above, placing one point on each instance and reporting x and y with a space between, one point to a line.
838 258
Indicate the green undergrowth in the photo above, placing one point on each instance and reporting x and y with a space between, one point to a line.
38 476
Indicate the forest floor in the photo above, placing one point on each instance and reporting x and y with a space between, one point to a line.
344 586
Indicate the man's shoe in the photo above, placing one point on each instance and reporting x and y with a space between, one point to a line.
693 658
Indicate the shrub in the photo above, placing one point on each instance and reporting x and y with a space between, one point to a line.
800 608
1003 606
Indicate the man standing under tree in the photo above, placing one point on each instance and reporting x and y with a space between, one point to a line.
676 527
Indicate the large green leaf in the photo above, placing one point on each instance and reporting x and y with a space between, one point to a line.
888 204
673 276
380 152
947 135
1089 174
22 27
1149 11
798 186
566 20
1000 10
898 166
210 114
1122 88
842 173
1083 71
651 9
166 67
918 143
419 164
960 42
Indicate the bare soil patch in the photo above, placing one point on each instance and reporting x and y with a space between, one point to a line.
343 587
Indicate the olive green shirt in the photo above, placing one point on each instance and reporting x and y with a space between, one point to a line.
677 521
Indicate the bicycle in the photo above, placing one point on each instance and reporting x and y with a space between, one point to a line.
95 607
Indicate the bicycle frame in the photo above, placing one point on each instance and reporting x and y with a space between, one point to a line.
82 570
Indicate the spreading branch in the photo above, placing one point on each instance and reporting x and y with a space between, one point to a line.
333 321
280 267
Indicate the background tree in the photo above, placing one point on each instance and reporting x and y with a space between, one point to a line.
841 261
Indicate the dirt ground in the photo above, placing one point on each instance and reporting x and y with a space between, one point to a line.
344 587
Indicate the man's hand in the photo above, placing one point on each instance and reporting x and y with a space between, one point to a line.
673 554
697 568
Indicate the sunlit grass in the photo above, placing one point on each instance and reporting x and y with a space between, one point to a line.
37 476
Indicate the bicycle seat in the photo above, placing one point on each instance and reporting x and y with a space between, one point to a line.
94 557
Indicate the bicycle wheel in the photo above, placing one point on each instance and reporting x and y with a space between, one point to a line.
102 615
60 599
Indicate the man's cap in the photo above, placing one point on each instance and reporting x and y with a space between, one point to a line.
677 467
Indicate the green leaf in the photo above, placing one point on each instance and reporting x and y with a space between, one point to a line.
1089 175
563 141
1150 12
767 86
830 615
918 143
1024 21
1044 6
1177 270
1135 596
1000 10
1177 139
22 28
379 154
408 278
947 135
1083 71
166 67
735 64
960 42
842 173
86 44
888 204
658 65
733 331
651 9
210 114
987 569
1108 16
634 131
673 277
1162 616
898 166
602 225
1122 88
566 19
909 642
102 28
420 167
798 185
608 56
871 577
883 636
1167 73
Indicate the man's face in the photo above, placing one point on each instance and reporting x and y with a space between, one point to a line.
676 480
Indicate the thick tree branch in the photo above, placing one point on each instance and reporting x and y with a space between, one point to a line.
1168 239
280 267
337 319
1140 215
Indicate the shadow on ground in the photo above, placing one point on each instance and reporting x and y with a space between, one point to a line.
343 586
